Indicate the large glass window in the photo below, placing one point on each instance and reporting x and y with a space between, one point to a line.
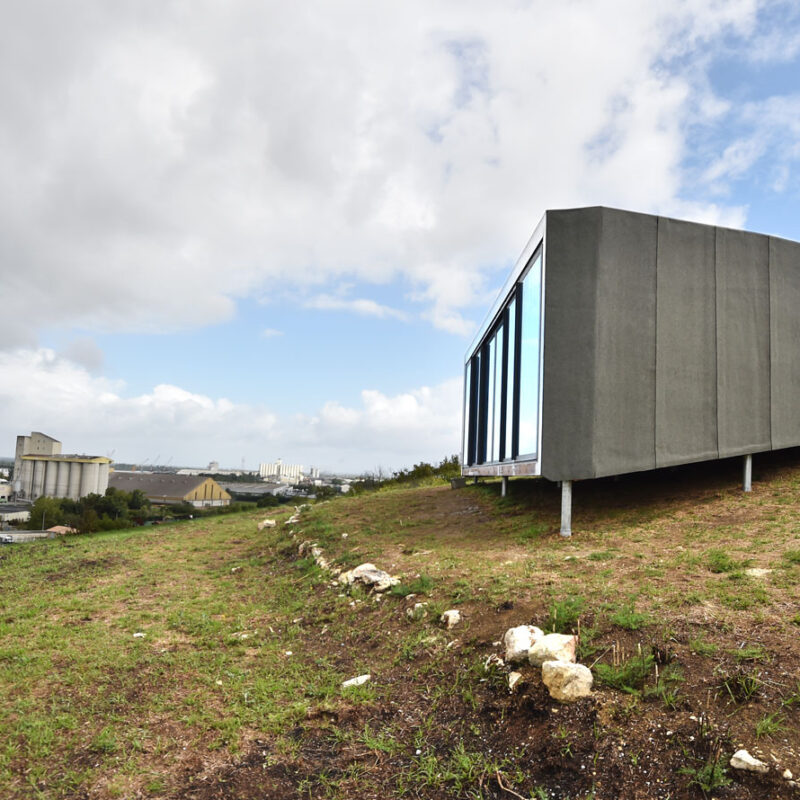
467 456
501 382
497 412
529 359
511 356
490 400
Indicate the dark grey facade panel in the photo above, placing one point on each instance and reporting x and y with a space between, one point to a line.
784 269
686 344
568 400
625 342
743 342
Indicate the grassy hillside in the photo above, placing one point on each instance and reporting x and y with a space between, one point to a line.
234 690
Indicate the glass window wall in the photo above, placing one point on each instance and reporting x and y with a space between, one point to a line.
511 369
530 351
501 382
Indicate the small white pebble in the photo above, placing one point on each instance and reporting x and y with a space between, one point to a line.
288 652
138 635
419 752
787 774
359 681
219 683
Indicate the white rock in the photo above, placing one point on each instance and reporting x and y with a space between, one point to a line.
787 774
518 641
493 662
553 647
567 682
513 679
757 572
361 679
741 759
369 575
267 523
451 618
138 635
417 611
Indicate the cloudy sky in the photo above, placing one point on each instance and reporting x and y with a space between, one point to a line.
248 230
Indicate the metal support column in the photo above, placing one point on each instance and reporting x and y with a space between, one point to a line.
504 486
566 508
747 477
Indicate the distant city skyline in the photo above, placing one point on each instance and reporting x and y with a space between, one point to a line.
215 247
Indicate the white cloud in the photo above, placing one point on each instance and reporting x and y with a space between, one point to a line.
357 305
43 391
765 136
270 333
83 350
160 161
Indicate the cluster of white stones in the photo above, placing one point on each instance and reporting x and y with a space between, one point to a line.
368 575
554 653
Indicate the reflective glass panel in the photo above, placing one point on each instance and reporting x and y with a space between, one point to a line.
529 362
465 454
512 337
498 394
490 370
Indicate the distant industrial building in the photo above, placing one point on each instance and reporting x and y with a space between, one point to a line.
14 512
40 469
167 488
253 491
212 469
284 473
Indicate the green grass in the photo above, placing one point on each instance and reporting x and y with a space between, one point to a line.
702 647
630 675
752 652
259 654
721 561
770 725
423 584
630 619
531 533
792 556
740 685
601 555
564 614
708 776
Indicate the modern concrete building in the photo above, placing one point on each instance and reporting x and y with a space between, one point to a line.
167 488
41 469
286 473
624 342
